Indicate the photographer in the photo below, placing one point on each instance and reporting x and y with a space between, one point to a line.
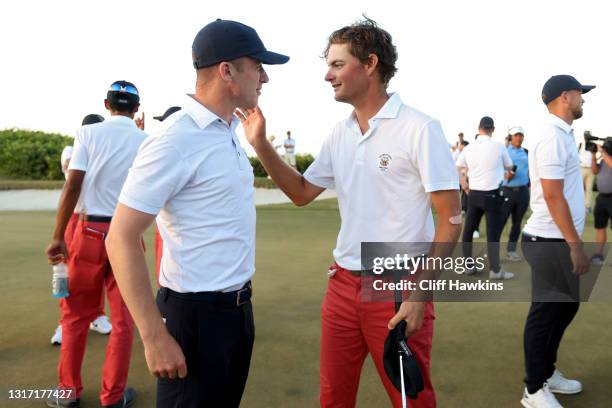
603 203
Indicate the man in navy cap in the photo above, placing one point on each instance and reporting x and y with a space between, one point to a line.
551 241
199 337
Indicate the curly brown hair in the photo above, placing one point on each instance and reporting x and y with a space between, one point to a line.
365 38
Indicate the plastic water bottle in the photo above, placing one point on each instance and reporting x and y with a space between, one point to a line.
60 280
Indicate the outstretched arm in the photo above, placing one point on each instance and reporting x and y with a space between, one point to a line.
289 180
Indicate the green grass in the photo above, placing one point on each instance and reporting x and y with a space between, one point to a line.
12 184
477 356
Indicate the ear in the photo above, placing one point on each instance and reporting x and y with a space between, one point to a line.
135 108
226 71
107 105
371 64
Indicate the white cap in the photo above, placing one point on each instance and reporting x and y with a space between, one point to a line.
516 129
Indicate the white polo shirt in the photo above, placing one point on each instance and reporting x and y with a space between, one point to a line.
289 145
104 151
383 178
197 177
554 156
64 160
485 161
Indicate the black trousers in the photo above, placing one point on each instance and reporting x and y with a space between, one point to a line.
548 318
489 204
217 340
516 204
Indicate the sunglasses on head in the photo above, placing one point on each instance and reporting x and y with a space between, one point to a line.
123 88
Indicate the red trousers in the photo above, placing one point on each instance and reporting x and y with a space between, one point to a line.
351 329
88 272
68 235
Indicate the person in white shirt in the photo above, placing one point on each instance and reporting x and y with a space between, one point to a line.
289 145
551 241
588 177
100 324
389 164
197 179
103 153
484 161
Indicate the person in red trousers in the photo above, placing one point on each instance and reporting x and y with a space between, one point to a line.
103 154
389 163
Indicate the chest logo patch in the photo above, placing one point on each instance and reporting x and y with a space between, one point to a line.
384 161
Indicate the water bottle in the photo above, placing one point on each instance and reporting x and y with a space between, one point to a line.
60 280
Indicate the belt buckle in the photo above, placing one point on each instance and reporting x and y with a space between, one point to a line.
238 302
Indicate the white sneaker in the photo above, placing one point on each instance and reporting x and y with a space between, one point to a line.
501 275
561 385
513 256
476 234
102 325
541 399
56 340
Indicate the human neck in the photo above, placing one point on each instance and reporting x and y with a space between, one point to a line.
216 102
563 114
369 105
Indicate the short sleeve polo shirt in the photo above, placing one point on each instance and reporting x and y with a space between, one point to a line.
197 177
554 156
485 160
384 178
104 151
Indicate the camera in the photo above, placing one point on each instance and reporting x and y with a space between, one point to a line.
591 146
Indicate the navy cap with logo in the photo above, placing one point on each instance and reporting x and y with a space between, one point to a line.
167 113
486 123
401 364
225 40
123 93
557 84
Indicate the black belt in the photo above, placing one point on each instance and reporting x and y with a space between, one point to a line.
534 238
235 298
95 218
607 195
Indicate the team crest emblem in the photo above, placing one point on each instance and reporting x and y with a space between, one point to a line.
384 162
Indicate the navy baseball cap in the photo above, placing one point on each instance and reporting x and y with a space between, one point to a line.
225 40
406 367
557 84
92 118
486 123
167 113
123 93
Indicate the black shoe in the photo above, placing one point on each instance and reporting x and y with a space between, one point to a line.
56 402
129 395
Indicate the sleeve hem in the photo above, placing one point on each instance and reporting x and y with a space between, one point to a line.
319 182
447 185
138 205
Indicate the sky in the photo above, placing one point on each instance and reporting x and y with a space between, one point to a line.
458 60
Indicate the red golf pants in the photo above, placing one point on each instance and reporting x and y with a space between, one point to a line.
68 235
88 272
351 329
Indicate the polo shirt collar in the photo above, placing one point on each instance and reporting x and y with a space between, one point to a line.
560 123
389 110
121 118
202 116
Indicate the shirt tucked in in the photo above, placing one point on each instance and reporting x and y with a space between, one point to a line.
554 156
384 178
195 174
